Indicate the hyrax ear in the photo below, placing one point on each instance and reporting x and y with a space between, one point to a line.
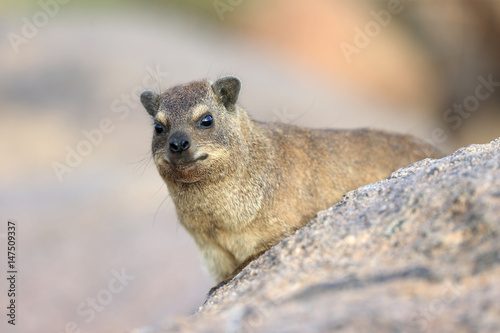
151 102
227 89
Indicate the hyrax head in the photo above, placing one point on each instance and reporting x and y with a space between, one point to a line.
195 129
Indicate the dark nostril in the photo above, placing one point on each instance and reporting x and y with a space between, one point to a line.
179 146
174 146
184 144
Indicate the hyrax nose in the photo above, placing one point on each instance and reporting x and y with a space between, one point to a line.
178 143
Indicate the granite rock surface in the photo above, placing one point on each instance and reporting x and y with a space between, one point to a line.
417 252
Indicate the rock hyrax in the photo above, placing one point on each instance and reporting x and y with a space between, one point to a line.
241 186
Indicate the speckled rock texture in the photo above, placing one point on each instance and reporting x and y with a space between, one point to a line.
417 252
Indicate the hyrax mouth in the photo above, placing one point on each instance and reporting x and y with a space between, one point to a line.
184 162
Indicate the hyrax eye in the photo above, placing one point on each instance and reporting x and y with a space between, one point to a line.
158 129
207 121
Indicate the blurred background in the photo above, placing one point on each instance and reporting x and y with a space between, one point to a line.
99 245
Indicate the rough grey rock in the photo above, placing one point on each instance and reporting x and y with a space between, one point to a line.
419 251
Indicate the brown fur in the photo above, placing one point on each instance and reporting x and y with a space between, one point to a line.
259 181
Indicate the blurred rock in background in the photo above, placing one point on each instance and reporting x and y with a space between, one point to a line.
417 56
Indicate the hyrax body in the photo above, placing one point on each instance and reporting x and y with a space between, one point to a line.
241 186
